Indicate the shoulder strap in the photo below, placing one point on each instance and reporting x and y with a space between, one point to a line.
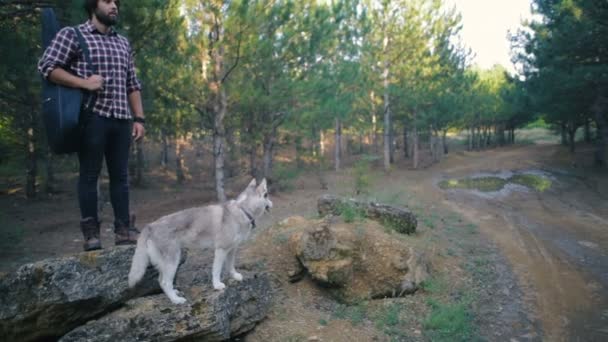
85 50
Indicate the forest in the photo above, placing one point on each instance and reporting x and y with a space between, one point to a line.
378 102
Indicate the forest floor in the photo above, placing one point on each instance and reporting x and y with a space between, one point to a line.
516 264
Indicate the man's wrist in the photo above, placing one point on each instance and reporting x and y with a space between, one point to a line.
139 119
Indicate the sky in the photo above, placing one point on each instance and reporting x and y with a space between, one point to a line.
486 24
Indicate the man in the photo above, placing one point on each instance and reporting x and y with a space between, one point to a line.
108 131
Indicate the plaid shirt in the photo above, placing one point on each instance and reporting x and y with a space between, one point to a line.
110 53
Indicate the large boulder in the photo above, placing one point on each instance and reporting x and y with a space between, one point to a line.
357 261
208 315
46 299
397 218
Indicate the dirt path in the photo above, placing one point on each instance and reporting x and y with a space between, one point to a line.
556 241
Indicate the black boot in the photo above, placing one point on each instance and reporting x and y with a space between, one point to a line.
125 233
90 230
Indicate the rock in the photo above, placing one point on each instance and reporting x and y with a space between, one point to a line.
46 299
358 263
208 315
400 219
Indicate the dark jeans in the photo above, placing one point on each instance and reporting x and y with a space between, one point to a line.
110 138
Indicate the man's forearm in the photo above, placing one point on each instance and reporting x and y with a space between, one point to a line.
64 78
136 105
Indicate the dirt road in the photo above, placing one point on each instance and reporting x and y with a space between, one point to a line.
556 240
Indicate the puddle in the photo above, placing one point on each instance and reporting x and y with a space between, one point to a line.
532 180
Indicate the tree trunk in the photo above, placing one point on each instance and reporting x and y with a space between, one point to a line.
432 145
338 145
269 141
406 150
164 154
564 134
321 144
32 162
571 137
253 171
471 137
219 103
179 161
299 151
587 130
444 141
415 147
599 112
387 122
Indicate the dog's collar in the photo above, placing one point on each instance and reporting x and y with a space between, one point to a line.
251 219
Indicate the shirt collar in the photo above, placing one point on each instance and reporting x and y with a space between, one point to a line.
88 25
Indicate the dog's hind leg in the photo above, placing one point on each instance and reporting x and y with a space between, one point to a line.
218 263
167 269
230 265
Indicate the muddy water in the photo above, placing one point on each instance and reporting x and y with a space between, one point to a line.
557 243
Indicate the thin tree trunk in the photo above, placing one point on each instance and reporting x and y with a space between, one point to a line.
471 138
588 130
406 150
253 171
219 104
564 134
432 144
444 141
337 145
415 147
571 136
269 141
322 144
179 161
164 155
32 162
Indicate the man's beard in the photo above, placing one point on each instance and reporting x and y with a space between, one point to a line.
105 19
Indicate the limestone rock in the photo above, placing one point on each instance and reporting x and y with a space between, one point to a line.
400 219
46 299
208 315
359 261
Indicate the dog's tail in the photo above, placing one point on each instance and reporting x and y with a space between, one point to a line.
140 258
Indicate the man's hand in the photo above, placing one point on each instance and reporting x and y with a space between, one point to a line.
138 131
94 83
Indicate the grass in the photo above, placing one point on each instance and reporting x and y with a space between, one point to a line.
535 182
350 213
485 184
449 322
491 184
356 314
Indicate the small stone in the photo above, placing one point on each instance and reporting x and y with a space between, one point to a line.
314 338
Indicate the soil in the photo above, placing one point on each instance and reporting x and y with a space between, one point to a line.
537 262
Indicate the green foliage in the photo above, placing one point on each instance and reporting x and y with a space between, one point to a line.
284 176
486 184
354 313
362 174
349 212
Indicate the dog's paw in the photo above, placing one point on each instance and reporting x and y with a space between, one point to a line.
219 286
178 300
236 276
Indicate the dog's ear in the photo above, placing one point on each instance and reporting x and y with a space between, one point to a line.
262 187
252 184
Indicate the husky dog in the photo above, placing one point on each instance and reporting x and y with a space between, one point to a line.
221 226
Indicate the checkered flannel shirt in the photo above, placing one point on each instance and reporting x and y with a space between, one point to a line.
110 53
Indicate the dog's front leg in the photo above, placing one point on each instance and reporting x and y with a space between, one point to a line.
230 264
218 263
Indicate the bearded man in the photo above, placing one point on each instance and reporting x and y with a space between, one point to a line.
114 112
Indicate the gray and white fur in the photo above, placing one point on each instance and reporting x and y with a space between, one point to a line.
220 226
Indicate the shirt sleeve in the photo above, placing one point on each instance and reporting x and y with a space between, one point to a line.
62 49
133 83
